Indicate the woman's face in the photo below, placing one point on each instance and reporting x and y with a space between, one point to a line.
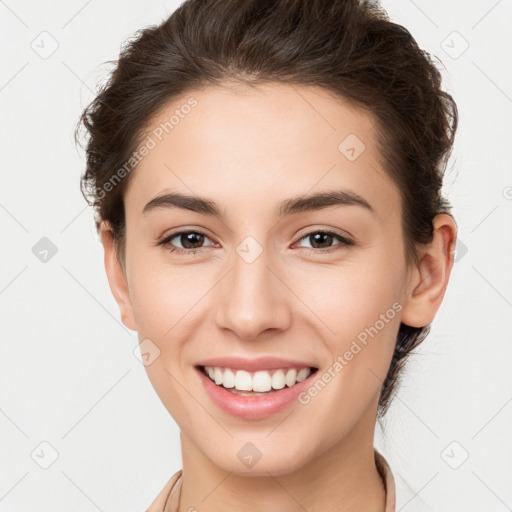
266 279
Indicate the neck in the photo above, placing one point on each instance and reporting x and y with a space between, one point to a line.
343 477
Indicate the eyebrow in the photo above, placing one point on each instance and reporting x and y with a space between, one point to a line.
287 207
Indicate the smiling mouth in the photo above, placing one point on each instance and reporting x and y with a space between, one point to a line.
259 383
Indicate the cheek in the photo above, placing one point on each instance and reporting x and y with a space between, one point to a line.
357 307
350 297
362 312
162 304
160 295
153 304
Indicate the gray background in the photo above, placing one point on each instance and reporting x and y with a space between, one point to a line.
74 398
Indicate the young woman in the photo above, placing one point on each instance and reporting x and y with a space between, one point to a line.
267 181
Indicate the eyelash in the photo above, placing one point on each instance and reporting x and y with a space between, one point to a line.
344 242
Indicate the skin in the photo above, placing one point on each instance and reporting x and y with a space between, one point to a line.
248 149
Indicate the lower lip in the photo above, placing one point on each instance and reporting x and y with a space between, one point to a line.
253 407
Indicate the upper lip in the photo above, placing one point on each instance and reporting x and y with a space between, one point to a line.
254 364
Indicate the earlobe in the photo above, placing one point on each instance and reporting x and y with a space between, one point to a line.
429 279
116 276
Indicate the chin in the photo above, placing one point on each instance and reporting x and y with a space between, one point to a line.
277 462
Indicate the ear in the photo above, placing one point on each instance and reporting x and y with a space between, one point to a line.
429 278
116 277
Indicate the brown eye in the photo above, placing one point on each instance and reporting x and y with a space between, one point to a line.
192 240
185 241
322 241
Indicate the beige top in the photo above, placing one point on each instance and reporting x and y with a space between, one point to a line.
169 497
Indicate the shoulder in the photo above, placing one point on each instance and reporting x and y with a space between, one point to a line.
158 503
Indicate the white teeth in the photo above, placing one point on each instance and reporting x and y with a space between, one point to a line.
291 377
278 380
260 381
228 379
243 381
303 373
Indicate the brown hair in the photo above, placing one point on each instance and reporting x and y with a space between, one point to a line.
348 47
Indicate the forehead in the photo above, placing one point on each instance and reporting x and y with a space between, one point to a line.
273 141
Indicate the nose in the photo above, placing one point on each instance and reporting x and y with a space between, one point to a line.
253 298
